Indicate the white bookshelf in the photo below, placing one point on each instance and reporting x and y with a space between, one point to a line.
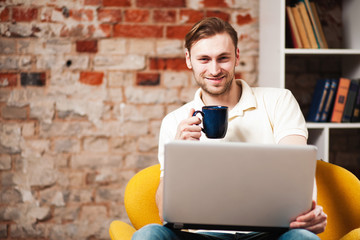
272 55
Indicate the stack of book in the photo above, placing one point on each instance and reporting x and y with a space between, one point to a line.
335 100
305 27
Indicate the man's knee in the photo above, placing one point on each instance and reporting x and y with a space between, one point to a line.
299 234
152 232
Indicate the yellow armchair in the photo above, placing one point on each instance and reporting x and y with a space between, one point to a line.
338 193
140 205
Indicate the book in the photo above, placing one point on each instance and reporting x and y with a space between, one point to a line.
340 100
294 31
313 23
329 101
318 100
318 24
356 112
350 101
300 26
308 27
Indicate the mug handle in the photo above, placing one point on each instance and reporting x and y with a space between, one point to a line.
202 114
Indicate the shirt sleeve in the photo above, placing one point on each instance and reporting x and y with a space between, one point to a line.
167 134
288 118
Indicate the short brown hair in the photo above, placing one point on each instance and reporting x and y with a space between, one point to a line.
209 27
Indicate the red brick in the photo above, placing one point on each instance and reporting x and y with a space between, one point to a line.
106 29
82 15
242 20
223 15
79 31
136 15
92 2
109 15
138 31
165 16
8 79
215 3
161 3
86 46
24 14
92 78
116 3
177 32
148 79
177 64
191 16
4 15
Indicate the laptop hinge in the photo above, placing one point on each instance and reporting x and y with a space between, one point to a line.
178 226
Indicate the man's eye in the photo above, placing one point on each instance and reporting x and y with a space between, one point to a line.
203 59
223 59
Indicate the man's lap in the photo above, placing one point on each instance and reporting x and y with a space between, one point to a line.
159 232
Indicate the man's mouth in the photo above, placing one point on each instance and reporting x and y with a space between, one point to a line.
215 78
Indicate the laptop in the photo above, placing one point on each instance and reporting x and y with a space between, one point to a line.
236 186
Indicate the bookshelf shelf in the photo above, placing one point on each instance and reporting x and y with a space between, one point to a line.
332 125
294 68
292 51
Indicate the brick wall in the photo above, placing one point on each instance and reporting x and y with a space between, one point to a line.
84 85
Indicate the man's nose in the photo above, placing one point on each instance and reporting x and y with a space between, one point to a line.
215 68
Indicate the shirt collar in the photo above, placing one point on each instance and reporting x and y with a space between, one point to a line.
247 100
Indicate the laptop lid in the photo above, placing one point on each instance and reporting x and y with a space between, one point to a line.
236 186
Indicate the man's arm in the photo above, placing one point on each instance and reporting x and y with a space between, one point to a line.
159 199
293 140
188 129
315 220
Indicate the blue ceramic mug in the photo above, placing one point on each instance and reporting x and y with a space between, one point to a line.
215 120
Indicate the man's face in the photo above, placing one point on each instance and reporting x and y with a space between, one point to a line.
213 62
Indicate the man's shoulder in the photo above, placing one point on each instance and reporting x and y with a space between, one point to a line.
270 92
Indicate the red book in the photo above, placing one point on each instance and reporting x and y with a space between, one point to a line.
340 100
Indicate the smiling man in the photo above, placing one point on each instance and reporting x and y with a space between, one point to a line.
257 115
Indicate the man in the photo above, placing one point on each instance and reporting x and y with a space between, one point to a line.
259 115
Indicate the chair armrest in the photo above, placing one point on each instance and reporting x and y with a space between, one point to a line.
353 235
120 230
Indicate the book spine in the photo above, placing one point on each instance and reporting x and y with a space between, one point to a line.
313 23
307 24
300 26
340 100
319 96
318 24
350 101
356 112
294 31
329 102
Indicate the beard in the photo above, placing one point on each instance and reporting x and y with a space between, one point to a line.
214 90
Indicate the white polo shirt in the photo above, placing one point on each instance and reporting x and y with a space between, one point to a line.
263 115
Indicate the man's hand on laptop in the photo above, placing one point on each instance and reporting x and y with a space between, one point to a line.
315 220
189 128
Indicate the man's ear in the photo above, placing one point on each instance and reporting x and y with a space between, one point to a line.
188 60
237 56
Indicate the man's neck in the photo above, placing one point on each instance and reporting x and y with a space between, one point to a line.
229 99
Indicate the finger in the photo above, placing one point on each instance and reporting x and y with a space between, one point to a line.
321 219
191 135
310 215
189 132
318 228
191 129
313 204
191 112
192 119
